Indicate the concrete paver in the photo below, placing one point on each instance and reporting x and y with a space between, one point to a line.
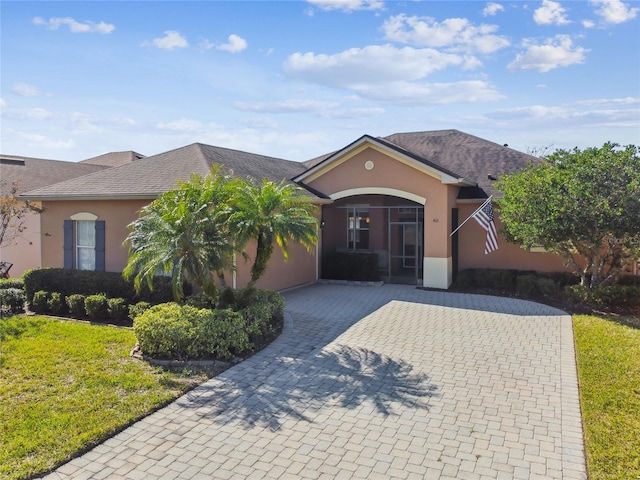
385 382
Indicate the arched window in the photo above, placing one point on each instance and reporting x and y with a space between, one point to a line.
84 242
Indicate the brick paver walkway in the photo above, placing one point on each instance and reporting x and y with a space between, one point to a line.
383 382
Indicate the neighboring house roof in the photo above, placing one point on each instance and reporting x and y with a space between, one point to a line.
456 154
114 159
150 176
32 173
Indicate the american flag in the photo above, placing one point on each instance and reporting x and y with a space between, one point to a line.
484 216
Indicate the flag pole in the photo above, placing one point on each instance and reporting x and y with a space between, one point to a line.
477 210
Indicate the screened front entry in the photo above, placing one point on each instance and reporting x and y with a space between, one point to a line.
373 236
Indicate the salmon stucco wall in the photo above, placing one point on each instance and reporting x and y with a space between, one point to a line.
299 269
117 214
508 256
24 251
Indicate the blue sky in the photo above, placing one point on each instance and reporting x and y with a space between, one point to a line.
297 79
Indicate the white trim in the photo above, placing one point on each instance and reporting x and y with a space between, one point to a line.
379 191
437 272
84 216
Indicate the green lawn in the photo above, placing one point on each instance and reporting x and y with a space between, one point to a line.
608 351
68 385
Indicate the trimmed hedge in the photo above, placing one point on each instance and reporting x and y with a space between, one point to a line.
112 284
11 301
6 283
613 295
189 332
523 282
169 330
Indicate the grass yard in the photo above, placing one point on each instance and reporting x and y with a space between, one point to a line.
65 386
608 351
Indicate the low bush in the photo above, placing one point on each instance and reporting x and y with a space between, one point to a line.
11 301
164 331
117 308
173 331
6 283
138 308
609 296
38 303
95 306
56 304
201 300
75 302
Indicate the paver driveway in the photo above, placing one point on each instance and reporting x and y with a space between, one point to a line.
375 383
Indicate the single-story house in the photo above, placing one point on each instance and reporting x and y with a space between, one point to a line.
399 196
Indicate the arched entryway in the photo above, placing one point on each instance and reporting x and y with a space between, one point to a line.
373 237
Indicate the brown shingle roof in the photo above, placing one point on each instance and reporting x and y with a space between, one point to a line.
470 157
151 176
114 159
32 173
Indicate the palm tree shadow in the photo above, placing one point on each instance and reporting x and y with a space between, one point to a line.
341 376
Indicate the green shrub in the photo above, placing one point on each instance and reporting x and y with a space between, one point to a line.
527 285
39 302
6 283
11 301
218 333
86 282
173 331
75 302
137 309
117 308
201 300
609 296
466 278
163 331
56 304
95 306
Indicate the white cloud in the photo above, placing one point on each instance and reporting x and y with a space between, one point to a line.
288 106
347 5
36 140
26 90
588 24
550 13
316 107
375 64
615 11
491 9
556 52
74 26
235 44
457 34
184 125
172 39
415 93
610 101
3 104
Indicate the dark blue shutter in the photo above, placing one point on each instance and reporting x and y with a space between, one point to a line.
68 244
100 241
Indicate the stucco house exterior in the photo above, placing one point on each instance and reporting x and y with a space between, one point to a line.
399 196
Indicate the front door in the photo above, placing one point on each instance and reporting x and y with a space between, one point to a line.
405 240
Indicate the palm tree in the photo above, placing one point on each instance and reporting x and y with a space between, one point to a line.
184 233
271 214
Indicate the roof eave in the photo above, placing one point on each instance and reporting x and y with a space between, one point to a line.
59 198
